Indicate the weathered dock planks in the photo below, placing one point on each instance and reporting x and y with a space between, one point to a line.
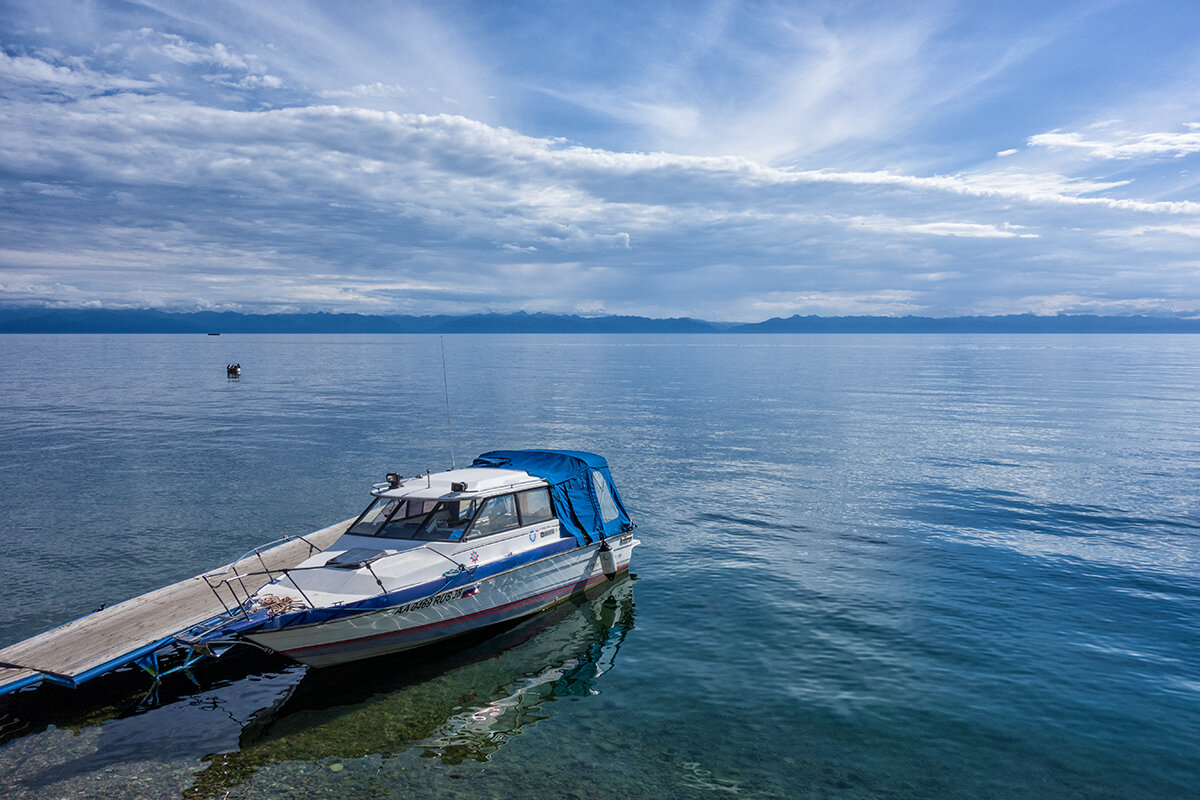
117 635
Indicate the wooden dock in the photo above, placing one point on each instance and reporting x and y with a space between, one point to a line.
123 633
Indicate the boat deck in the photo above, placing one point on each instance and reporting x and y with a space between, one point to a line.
113 637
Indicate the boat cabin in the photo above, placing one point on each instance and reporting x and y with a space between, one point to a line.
456 506
502 511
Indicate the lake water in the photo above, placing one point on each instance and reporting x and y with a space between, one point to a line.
871 566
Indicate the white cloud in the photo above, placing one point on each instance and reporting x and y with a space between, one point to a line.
1191 231
226 67
183 51
974 230
31 71
54 190
376 89
1124 144
845 303
934 276
1072 303
1038 189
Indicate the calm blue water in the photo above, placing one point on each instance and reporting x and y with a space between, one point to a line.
872 567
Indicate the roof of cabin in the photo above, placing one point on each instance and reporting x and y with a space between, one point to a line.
479 480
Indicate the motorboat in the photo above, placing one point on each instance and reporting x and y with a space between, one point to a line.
436 556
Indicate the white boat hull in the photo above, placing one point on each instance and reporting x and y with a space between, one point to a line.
519 592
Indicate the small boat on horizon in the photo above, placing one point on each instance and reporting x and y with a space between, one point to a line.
436 556
233 370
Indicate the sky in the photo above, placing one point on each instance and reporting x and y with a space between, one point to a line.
730 161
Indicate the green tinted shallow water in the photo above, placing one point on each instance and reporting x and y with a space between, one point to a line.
875 567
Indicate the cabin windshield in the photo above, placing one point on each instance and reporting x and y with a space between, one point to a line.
392 517
372 519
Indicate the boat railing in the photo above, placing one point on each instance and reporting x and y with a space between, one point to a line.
232 577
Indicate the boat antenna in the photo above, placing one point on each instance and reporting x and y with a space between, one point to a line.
446 386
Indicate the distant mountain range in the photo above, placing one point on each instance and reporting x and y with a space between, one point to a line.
44 320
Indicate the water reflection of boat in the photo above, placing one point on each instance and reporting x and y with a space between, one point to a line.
462 705
481 728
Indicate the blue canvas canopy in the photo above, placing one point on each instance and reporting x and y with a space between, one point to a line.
580 484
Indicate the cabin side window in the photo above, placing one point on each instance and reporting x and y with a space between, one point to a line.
608 506
448 521
535 507
497 515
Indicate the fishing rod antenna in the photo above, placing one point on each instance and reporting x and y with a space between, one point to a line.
446 387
